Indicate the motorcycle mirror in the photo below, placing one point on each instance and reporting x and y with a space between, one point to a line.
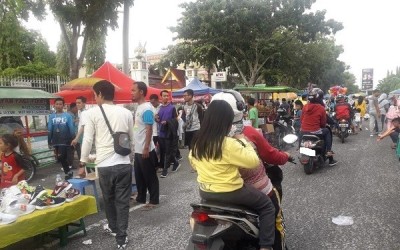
290 138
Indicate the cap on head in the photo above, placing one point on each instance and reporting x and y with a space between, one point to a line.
235 100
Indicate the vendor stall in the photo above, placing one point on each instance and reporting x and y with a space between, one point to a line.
264 96
42 221
32 106
201 91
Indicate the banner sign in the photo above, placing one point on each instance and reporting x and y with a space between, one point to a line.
218 77
22 107
367 79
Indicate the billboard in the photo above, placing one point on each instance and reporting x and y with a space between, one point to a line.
367 79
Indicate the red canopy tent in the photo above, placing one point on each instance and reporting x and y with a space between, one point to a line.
108 72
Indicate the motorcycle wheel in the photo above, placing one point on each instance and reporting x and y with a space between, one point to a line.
281 143
309 167
31 165
342 137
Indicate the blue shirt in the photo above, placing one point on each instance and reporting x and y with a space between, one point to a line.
61 129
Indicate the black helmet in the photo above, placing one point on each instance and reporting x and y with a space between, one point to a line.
316 95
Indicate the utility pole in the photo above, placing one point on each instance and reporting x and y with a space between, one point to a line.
125 38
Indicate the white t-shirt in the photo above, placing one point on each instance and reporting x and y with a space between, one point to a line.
155 125
96 130
144 116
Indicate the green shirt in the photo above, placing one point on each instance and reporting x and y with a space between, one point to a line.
253 116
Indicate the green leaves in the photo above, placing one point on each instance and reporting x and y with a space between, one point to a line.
251 36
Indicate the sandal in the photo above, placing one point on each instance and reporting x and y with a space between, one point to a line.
329 153
148 207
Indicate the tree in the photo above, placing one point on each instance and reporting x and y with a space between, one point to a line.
389 83
83 19
246 35
12 34
96 52
62 58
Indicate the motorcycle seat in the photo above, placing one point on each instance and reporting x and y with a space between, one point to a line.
219 206
311 137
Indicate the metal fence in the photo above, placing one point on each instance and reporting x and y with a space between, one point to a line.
50 84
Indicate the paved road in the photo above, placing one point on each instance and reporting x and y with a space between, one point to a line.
364 185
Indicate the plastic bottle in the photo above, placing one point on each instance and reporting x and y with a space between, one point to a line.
58 179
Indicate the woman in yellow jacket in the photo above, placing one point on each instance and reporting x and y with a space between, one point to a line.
217 159
360 104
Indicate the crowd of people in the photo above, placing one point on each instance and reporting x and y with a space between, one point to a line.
228 157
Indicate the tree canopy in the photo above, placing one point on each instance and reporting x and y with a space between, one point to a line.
390 82
250 37
83 19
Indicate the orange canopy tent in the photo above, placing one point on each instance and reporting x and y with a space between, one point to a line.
108 72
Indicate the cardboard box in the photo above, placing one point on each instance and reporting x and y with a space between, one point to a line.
267 128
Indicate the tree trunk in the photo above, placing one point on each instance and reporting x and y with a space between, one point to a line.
125 39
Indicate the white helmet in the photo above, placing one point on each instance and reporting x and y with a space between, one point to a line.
234 99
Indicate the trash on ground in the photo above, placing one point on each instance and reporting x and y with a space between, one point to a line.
343 220
43 179
88 242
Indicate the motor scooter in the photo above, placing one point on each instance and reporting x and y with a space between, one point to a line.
220 226
312 152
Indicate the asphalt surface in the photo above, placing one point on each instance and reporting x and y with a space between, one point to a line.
363 185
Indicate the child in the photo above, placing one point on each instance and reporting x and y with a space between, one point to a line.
298 105
12 163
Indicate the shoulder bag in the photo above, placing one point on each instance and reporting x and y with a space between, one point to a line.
121 139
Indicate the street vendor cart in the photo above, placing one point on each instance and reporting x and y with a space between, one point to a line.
31 106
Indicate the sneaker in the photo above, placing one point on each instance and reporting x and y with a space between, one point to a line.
123 246
179 158
15 208
25 188
332 163
176 167
71 194
39 191
61 188
47 201
164 173
69 175
108 230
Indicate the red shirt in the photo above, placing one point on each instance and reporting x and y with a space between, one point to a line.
266 152
10 167
313 117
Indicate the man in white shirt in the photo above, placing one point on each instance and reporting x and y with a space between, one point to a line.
145 154
77 142
114 170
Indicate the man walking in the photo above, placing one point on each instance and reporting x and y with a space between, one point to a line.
145 155
61 131
374 112
114 170
168 139
253 112
194 116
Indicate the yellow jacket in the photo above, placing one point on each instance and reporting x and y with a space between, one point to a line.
223 175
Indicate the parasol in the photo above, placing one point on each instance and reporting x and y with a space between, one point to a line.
83 83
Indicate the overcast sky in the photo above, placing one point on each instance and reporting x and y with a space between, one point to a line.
370 36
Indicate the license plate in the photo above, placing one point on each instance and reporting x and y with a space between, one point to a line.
307 151
343 125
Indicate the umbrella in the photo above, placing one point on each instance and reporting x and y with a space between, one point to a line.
395 92
83 83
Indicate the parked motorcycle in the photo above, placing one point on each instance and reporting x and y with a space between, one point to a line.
283 125
312 153
219 226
